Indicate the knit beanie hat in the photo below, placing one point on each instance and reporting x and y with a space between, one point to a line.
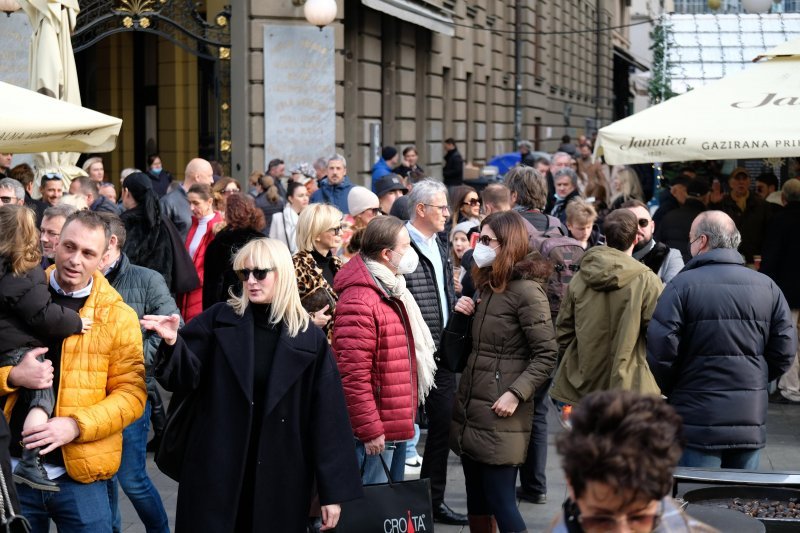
360 199
388 152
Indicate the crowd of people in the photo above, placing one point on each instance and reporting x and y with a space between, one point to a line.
304 318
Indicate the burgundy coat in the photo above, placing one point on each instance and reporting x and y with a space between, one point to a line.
374 349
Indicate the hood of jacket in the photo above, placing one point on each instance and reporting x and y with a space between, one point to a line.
608 269
533 267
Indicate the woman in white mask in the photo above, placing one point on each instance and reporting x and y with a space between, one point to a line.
514 351
383 346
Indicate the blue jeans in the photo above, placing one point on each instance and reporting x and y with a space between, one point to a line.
411 445
741 459
133 479
395 457
76 508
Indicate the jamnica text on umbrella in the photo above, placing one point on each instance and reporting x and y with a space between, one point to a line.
20 136
648 143
783 101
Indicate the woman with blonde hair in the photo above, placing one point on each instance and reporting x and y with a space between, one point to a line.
319 235
625 186
270 415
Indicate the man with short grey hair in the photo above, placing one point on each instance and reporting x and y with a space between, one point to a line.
11 192
720 333
50 230
91 190
335 188
565 181
431 284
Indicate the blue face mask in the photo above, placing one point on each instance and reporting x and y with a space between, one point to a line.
156 171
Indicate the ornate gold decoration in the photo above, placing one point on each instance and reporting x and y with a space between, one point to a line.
222 20
224 52
136 7
144 22
225 106
127 22
224 145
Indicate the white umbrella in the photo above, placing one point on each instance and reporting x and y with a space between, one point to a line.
52 72
752 114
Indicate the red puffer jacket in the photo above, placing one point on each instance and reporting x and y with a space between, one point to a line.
374 349
191 303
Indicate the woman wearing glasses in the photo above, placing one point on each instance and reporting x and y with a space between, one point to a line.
319 235
465 205
222 190
514 351
270 415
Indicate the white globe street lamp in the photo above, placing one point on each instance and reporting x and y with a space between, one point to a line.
756 6
320 13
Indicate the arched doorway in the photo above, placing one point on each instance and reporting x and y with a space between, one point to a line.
163 66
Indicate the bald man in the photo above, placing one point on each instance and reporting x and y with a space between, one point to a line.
175 204
720 333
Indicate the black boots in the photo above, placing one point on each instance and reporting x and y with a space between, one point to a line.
31 472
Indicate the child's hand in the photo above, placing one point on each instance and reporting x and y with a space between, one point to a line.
86 324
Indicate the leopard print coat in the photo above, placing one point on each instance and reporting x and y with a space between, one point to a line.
309 277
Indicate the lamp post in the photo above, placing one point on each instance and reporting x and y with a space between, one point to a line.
320 13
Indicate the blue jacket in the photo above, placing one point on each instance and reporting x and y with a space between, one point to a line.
720 333
380 170
333 194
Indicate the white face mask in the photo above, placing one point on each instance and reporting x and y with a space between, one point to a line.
408 262
484 255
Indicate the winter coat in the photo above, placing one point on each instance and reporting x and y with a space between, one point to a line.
780 258
560 208
144 291
160 182
284 227
380 170
720 333
601 326
305 432
269 208
309 277
191 303
375 352
218 275
425 288
104 205
102 384
146 246
663 260
453 171
513 350
175 206
673 230
28 315
336 195
752 222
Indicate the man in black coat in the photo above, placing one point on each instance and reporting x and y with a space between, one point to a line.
453 171
719 334
675 225
780 260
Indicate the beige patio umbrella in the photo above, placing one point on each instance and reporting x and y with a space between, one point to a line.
752 114
52 72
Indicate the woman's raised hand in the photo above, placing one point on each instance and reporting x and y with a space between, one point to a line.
465 305
165 326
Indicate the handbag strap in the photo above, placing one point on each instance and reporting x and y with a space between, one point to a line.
383 463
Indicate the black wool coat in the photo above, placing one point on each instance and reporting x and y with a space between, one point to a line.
305 433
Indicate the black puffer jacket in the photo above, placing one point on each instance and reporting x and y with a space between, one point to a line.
781 255
425 289
28 315
719 334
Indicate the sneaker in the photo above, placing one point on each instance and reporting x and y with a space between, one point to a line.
415 462
777 397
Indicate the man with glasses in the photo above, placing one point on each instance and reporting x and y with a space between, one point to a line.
431 284
719 335
663 260
11 192
603 318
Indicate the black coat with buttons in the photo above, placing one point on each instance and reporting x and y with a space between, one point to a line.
305 434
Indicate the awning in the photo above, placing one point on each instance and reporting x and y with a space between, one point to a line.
628 58
416 14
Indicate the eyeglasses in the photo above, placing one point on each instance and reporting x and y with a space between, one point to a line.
644 222
638 523
443 208
8 199
336 231
229 191
486 240
259 273
472 201
692 241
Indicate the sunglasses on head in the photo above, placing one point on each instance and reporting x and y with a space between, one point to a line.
50 177
644 222
472 201
486 240
258 273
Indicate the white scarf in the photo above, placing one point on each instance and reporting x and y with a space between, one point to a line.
423 341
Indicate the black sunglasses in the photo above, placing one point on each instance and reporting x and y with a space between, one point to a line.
337 230
258 273
473 202
486 240
643 222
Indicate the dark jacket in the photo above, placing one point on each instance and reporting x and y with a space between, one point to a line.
673 229
751 223
719 334
146 246
666 203
175 206
218 275
28 316
424 287
780 258
514 350
104 205
335 195
146 292
305 433
453 171
160 182
375 352
560 208
268 208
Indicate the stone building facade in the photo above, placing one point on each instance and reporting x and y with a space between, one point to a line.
445 70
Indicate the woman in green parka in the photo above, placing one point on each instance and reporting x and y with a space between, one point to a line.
514 351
